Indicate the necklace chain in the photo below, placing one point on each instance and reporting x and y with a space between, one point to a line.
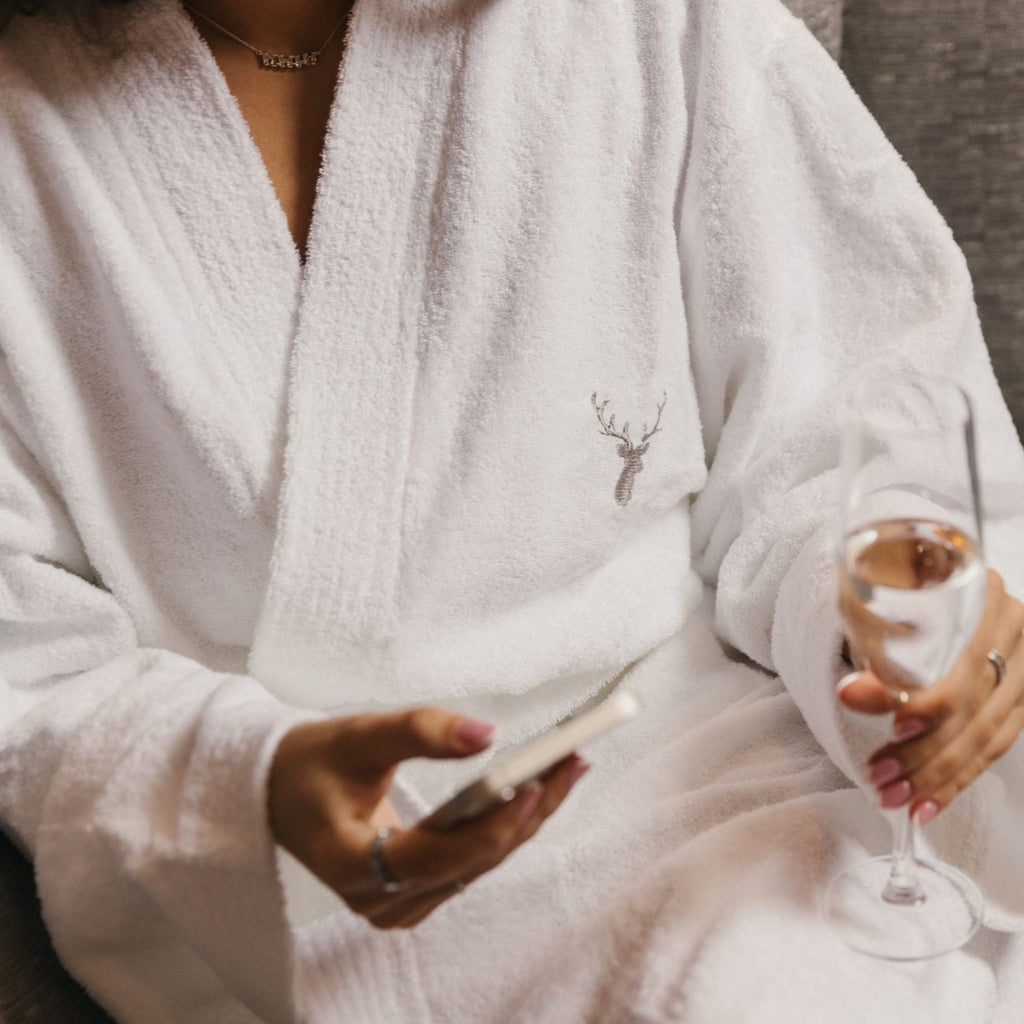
274 61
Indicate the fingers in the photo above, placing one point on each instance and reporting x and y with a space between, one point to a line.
339 770
480 845
947 736
967 684
424 862
937 780
866 693
426 858
434 866
327 801
374 743
557 787
408 913
936 795
964 703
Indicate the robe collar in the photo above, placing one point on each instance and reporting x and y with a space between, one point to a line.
331 601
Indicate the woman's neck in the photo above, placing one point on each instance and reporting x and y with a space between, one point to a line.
295 27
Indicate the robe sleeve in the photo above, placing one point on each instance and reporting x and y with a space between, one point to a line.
134 778
807 247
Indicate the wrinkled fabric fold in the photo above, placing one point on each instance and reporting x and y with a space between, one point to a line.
229 486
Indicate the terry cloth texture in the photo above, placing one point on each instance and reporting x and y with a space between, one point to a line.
231 484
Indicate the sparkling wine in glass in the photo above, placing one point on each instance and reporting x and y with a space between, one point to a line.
912 587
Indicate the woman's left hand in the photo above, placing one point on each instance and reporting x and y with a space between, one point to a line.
946 735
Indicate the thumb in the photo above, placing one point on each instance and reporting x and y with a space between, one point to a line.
380 741
865 692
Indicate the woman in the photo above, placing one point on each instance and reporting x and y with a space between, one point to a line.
349 434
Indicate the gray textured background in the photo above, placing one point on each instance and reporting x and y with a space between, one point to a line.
945 79
824 18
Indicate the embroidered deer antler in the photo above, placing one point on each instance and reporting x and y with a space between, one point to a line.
631 453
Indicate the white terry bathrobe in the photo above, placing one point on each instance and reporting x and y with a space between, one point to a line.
237 490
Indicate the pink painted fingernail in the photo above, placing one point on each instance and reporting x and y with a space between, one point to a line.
909 728
884 771
926 812
577 773
473 734
896 794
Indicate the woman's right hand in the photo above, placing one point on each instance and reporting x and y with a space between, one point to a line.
328 786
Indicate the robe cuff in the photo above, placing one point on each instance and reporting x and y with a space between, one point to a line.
807 651
158 873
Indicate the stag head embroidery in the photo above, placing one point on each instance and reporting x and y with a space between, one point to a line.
631 453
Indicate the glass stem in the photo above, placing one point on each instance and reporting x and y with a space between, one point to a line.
903 886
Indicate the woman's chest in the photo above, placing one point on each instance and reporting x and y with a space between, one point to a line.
478 386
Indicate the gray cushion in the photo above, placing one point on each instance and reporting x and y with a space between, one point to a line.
824 18
34 987
945 78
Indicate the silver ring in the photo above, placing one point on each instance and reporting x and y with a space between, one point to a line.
378 866
998 663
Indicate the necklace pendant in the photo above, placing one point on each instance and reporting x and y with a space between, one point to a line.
288 61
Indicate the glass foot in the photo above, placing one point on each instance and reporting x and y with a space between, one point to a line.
947 916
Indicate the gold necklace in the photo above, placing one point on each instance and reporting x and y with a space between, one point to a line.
275 61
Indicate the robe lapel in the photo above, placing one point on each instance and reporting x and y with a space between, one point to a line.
331 601
206 214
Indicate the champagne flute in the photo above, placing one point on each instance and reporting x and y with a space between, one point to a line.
912 586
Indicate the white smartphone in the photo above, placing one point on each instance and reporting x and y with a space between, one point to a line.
528 762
